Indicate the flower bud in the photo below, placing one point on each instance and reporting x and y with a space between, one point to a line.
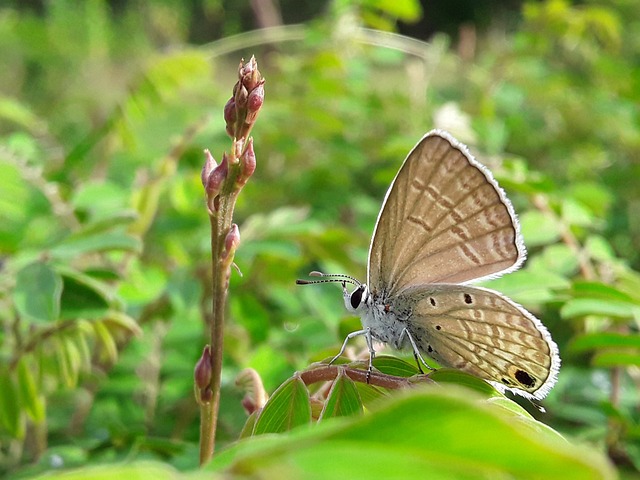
231 242
217 178
248 404
207 168
249 74
256 98
230 114
202 371
247 163
241 96
206 395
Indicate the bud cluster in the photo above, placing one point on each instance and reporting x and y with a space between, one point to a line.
241 111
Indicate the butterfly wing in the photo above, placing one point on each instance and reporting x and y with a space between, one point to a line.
483 333
444 220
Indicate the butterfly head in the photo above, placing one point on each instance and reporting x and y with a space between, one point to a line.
356 299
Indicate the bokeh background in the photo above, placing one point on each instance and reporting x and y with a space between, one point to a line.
106 107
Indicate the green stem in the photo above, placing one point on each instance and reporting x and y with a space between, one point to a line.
220 226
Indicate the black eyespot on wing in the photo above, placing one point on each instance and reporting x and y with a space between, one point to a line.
525 379
356 296
429 349
433 301
438 327
467 299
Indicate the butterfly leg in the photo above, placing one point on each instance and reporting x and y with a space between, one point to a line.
416 352
349 337
372 352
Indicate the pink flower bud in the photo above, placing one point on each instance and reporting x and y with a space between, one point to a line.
206 395
202 371
249 74
207 168
241 96
230 114
256 98
231 241
217 178
248 163
248 404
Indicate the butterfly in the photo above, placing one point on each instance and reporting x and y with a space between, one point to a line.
444 224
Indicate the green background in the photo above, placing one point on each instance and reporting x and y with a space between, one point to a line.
105 109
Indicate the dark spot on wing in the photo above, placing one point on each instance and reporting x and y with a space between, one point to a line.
525 379
467 299
433 301
438 327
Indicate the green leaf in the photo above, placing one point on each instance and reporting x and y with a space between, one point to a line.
84 295
539 228
580 307
124 321
445 432
288 407
458 377
110 350
395 366
612 340
32 400
97 242
37 293
11 414
343 399
599 290
615 359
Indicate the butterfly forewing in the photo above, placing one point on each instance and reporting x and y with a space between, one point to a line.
447 210
483 333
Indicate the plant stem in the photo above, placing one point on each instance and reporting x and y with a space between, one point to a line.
220 226
222 184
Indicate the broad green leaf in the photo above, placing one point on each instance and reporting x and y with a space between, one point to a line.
599 290
445 432
612 340
141 470
343 399
579 307
288 407
96 242
84 296
250 424
539 228
395 366
458 377
31 398
616 359
370 394
11 414
37 293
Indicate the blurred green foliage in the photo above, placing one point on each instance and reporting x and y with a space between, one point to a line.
104 239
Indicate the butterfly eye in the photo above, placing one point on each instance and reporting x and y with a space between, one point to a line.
356 296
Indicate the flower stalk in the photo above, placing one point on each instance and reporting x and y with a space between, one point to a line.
222 183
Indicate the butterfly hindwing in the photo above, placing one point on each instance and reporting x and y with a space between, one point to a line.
483 333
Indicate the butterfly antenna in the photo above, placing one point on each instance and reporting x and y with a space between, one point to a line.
328 278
